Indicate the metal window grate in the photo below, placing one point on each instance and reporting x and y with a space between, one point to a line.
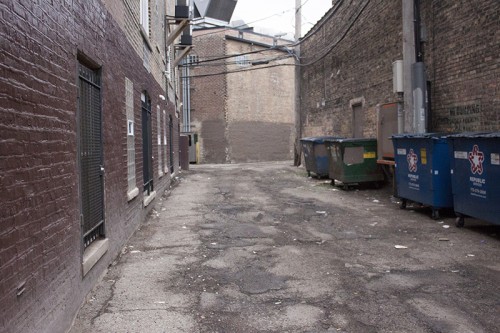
147 144
91 169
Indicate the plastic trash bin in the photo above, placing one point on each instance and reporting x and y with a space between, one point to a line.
315 155
354 161
422 170
475 176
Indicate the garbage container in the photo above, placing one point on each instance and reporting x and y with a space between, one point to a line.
422 172
354 161
315 155
475 176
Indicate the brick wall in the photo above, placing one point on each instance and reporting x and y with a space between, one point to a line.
248 116
462 55
346 62
40 239
208 98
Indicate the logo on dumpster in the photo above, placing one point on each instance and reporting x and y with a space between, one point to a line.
412 159
476 159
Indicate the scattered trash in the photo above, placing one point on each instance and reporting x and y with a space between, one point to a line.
254 252
400 247
160 302
376 201
470 255
135 251
446 226
373 224
455 271
320 212
184 227
443 239
213 243
441 222
277 303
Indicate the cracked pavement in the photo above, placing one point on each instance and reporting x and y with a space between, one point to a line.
263 248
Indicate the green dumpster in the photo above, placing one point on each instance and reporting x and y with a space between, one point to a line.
354 161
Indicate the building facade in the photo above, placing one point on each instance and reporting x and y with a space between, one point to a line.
347 67
242 96
88 141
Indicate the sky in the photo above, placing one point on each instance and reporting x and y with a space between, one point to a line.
273 17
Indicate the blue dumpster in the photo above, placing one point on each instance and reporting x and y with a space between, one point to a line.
422 170
475 176
316 155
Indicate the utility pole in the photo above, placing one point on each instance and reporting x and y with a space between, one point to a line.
298 117
409 59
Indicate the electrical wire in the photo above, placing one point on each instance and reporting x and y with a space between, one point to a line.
238 71
333 45
324 54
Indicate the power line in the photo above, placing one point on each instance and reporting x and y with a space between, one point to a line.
238 71
328 49
333 45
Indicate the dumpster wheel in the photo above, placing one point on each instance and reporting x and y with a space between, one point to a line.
460 221
403 203
435 214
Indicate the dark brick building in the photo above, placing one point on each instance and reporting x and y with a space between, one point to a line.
346 73
88 139
243 103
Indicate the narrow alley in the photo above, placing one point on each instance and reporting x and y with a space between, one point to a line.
263 248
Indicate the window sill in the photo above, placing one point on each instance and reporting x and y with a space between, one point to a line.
149 198
145 37
93 253
132 194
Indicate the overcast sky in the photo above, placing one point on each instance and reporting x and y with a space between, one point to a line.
278 16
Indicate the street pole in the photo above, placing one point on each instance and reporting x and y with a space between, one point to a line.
409 58
298 119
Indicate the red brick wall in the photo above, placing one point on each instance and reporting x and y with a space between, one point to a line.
209 95
241 117
40 236
355 68
462 55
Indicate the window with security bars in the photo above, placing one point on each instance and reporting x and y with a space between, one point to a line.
90 154
147 144
242 60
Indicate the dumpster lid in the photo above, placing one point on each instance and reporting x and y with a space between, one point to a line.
420 135
476 135
354 140
320 139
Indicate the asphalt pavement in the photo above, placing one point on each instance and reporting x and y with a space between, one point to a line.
264 248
